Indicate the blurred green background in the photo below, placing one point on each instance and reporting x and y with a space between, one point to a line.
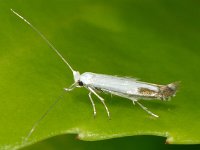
157 41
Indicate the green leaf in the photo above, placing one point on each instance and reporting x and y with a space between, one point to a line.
64 142
155 41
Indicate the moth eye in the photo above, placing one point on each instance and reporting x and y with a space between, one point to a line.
80 83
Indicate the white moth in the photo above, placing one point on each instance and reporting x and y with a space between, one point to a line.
129 88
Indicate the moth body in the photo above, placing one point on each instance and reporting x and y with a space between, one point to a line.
127 87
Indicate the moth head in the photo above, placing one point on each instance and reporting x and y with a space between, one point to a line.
76 75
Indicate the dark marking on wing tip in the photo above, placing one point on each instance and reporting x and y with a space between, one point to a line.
168 91
145 91
175 85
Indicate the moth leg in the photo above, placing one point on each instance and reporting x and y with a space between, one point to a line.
93 105
144 108
101 99
133 101
71 87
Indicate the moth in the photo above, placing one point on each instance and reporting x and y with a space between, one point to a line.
129 88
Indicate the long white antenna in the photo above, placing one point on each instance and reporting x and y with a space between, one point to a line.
51 46
42 117
45 39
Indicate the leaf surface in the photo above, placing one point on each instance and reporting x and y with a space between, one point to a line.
156 41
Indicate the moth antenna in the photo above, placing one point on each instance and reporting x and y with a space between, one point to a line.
42 117
45 39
